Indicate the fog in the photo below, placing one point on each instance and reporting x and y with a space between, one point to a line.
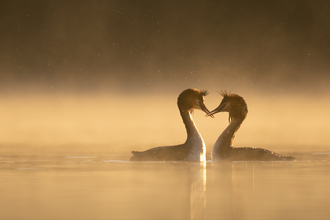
112 124
108 73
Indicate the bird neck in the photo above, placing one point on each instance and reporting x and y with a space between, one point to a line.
189 123
194 141
225 140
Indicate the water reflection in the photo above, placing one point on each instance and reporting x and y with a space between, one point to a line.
242 188
197 192
78 186
237 198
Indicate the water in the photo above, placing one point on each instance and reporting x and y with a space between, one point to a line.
67 158
78 184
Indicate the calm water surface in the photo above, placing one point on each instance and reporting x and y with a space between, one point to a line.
72 185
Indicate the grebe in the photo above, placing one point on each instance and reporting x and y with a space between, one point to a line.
194 148
223 149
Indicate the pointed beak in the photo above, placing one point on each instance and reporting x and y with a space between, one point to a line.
221 108
204 109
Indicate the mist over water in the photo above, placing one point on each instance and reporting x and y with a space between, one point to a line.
125 123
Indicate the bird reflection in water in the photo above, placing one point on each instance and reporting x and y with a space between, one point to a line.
198 192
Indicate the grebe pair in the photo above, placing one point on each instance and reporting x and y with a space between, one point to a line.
194 148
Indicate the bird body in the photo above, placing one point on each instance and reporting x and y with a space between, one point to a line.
223 148
194 148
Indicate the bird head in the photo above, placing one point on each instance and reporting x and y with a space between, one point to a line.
232 103
191 99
